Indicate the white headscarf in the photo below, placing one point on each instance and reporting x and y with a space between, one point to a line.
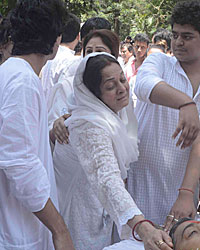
122 127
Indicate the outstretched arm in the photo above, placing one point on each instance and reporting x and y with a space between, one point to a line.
50 217
184 205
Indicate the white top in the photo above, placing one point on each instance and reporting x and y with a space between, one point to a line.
128 67
62 92
94 165
53 68
91 194
25 164
155 179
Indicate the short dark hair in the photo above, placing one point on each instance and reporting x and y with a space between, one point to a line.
92 76
94 23
173 230
71 29
186 12
78 48
163 35
36 24
108 37
156 46
142 37
5 30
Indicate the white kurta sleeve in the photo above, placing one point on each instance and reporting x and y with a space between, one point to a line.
149 75
19 139
95 152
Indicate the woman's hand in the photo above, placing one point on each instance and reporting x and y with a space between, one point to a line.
153 238
188 125
59 131
183 207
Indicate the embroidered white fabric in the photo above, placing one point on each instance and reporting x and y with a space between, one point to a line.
89 191
95 152
102 146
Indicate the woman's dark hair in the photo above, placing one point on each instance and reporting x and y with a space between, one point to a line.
92 76
173 229
108 37
36 24
187 12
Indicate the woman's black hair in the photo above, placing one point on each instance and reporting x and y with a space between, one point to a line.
92 76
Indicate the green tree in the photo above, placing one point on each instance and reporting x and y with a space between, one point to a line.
6 6
127 17
152 14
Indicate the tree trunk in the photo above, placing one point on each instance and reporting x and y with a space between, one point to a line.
116 19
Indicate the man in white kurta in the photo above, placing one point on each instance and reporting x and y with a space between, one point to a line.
28 198
26 170
61 92
155 179
53 68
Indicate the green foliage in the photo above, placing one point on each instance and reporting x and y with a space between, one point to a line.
152 14
4 7
127 17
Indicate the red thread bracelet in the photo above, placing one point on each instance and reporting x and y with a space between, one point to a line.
185 104
186 189
139 222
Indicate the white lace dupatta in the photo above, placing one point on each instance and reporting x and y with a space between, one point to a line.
122 127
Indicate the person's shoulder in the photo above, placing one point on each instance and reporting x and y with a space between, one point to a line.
18 71
88 128
16 66
158 55
159 59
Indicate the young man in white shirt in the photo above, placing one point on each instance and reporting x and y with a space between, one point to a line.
28 197
168 94
64 57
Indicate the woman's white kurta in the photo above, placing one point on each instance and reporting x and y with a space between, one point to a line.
26 170
89 191
90 170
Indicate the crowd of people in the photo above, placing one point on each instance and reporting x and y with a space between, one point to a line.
99 150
